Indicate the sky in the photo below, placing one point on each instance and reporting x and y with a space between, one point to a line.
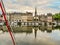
43 6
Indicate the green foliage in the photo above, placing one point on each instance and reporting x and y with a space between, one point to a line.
56 16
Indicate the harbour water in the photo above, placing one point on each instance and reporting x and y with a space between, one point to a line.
32 36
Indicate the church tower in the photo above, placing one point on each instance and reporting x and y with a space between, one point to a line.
35 11
36 16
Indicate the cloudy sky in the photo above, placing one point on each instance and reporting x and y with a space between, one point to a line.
43 6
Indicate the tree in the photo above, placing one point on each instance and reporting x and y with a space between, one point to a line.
56 17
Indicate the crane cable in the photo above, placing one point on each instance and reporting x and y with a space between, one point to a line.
8 27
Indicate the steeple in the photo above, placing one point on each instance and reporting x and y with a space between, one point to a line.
35 11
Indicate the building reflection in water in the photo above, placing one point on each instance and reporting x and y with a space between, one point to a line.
30 29
48 29
35 31
23 29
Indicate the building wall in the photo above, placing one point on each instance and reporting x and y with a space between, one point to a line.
43 18
27 18
14 18
49 19
23 17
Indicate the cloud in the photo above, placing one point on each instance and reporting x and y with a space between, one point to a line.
43 6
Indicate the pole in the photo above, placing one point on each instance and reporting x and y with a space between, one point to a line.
4 15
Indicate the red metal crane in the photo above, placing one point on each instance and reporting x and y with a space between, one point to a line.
8 26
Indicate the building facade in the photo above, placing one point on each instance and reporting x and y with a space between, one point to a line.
14 18
49 19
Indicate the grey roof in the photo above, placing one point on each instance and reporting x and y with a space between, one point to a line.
18 13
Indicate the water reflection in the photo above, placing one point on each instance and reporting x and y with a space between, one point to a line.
30 29
44 35
22 29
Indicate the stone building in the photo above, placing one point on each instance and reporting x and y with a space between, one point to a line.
49 19
46 19
20 17
27 17
14 17
43 18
